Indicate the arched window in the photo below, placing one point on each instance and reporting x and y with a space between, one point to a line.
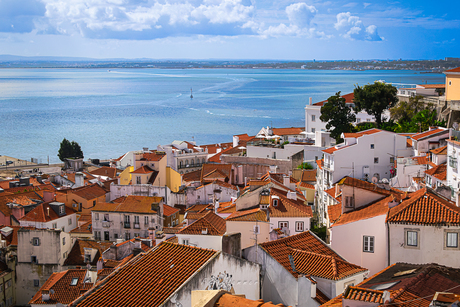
186 163
180 164
192 162
202 161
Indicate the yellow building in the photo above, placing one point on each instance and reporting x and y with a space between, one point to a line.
156 161
125 176
173 179
453 84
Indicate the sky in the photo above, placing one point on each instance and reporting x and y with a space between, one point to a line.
231 29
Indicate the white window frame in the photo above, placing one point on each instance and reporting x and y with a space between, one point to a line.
299 226
368 244
446 238
409 234
281 223
313 118
376 160
185 241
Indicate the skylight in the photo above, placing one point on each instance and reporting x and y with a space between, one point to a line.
384 286
74 281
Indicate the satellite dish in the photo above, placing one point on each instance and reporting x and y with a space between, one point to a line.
384 180
404 161
375 179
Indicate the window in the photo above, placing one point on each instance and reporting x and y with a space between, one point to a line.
192 162
87 258
453 162
185 242
127 236
349 201
372 146
61 210
36 283
313 118
275 203
8 284
451 239
358 120
368 244
299 226
63 240
392 160
94 203
313 130
70 221
146 220
106 217
36 241
376 160
97 235
54 226
411 237
136 219
96 216
74 281
283 224
33 259
115 235
138 179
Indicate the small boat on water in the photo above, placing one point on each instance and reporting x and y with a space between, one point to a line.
191 93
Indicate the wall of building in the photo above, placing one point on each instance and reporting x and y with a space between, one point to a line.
204 241
173 179
452 86
272 152
125 176
65 223
257 167
431 248
247 232
225 272
347 241
207 194
274 223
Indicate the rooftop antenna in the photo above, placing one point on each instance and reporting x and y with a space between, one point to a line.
191 93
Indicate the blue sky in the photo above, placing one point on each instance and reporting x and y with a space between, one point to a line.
231 29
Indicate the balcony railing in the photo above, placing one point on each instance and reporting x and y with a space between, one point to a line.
127 225
105 224
137 226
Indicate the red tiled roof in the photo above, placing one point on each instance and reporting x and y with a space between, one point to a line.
63 292
375 209
152 156
143 170
425 208
320 163
361 133
288 207
226 207
334 212
353 182
429 133
305 241
110 172
251 215
453 70
421 160
230 300
439 171
441 85
162 271
132 204
308 175
440 150
287 131
324 266
192 176
85 228
44 213
89 192
199 208
348 99
210 224
77 253
364 295
207 171
306 185
168 210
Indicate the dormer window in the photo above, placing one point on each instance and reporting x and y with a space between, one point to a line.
275 202
74 281
61 209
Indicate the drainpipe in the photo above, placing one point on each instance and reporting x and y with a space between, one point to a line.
388 242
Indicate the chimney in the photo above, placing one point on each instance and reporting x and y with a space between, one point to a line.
137 243
236 140
99 264
291 195
286 180
79 180
48 196
310 101
45 295
48 211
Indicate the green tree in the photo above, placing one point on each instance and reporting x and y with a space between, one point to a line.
338 116
405 110
374 99
69 149
305 165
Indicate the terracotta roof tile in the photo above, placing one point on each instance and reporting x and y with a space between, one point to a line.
353 182
110 172
63 292
428 133
334 212
143 170
192 176
306 242
168 210
425 208
199 208
375 209
210 171
323 266
84 228
288 207
453 70
132 204
440 150
230 300
439 171
421 160
287 131
251 215
226 207
89 192
360 134
363 295
308 175
210 224
45 213
348 99
320 163
162 271
77 253
152 156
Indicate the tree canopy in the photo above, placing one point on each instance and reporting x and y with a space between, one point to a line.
338 116
69 150
305 165
374 99
405 110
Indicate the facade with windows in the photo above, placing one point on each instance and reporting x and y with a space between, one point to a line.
127 218
416 237
51 215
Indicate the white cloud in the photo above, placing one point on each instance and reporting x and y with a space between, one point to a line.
353 28
301 14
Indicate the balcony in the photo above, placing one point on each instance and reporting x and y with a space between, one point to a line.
105 224
127 225
137 226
